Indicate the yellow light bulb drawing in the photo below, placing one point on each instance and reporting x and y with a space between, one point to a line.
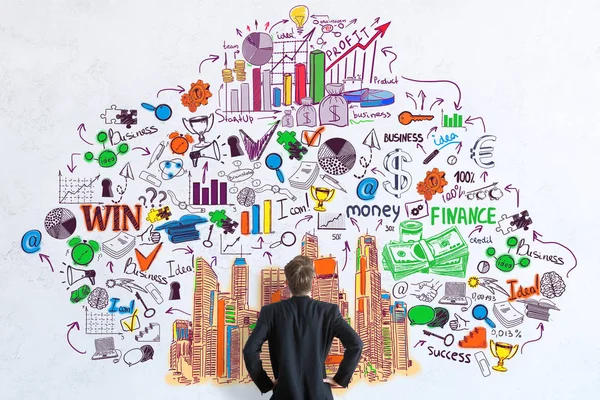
299 16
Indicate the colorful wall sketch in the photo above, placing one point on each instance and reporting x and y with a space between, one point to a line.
299 137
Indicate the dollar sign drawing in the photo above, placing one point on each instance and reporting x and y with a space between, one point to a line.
335 117
402 179
306 119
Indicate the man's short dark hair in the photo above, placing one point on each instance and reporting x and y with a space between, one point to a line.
299 273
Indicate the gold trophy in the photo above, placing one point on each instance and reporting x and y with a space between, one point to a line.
502 351
321 195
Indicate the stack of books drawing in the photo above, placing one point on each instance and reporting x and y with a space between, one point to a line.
183 230
539 309
507 315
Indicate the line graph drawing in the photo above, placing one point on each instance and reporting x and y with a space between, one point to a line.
331 221
289 58
223 251
76 190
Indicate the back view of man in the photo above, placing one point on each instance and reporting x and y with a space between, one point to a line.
300 331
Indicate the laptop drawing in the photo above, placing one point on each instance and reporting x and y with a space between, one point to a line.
105 348
455 294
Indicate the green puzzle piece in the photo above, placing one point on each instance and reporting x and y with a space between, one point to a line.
286 138
217 217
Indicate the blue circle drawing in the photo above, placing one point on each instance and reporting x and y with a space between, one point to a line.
367 188
31 241
163 112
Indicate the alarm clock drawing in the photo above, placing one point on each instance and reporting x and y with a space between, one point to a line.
83 251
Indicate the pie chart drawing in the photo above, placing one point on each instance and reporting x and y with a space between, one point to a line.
257 48
369 97
337 156
60 223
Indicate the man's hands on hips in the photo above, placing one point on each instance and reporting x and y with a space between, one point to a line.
329 380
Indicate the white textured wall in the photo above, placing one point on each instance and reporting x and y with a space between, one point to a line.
529 67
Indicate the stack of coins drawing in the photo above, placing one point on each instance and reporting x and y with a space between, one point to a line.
227 75
240 70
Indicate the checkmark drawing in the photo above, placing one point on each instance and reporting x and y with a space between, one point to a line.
145 262
132 326
313 138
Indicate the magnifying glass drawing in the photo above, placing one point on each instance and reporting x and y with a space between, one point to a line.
480 312
287 239
274 162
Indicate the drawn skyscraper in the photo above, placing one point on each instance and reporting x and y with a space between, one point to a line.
310 246
206 291
239 283
368 318
400 336
271 280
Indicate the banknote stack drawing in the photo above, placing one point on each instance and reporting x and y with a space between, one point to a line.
443 254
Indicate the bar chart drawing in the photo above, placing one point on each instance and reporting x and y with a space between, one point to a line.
456 121
215 194
251 219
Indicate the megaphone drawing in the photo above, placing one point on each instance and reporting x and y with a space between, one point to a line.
76 274
210 150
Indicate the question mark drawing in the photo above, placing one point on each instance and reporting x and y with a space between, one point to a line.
153 196
164 196
140 199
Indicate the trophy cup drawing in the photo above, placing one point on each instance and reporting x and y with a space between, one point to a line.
502 351
321 195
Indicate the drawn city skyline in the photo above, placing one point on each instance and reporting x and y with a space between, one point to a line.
209 346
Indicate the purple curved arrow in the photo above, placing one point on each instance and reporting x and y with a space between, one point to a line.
541 328
79 128
457 106
179 89
71 326
536 235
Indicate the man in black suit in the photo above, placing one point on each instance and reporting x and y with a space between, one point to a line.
300 331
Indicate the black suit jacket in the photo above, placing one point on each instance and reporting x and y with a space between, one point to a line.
300 331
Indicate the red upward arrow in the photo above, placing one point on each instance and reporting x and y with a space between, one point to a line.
380 32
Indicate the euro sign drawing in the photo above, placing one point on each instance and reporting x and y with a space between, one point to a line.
482 154
402 179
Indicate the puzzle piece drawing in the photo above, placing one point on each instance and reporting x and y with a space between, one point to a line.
505 225
286 137
296 151
521 221
217 217
127 118
111 114
229 225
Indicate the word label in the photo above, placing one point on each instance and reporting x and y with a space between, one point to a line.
240 118
402 137
524 292
450 355
506 333
380 114
286 35
180 270
374 210
523 249
132 269
445 140
149 130
121 310
483 240
464 176
486 297
101 222
386 81
229 46
461 215
345 43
